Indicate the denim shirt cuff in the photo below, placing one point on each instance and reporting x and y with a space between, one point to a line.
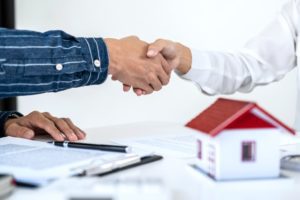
95 52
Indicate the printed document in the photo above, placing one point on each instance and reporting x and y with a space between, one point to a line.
39 162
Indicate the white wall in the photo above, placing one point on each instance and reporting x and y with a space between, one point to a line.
229 162
207 24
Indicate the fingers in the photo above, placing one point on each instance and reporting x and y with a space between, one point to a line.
80 133
66 127
16 130
158 76
147 87
155 78
154 82
164 71
154 51
137 91
27 126
166 66
38 120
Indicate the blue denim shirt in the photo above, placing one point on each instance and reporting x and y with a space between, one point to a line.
33 63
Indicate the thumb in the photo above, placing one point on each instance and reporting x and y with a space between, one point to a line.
155 48
16 130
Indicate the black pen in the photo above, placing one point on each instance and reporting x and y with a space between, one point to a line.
101 147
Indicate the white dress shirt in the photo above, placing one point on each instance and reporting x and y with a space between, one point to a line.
265 58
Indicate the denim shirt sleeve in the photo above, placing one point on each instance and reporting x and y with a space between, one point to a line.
33 62
4 115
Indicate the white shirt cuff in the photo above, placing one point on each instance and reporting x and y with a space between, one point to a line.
200 61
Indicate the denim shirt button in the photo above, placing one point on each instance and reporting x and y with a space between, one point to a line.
59 67
97 63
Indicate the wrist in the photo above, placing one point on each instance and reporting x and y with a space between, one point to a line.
113 49
6 120
185 60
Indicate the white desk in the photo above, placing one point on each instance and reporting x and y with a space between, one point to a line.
184 182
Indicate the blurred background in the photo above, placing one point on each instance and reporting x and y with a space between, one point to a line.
202 24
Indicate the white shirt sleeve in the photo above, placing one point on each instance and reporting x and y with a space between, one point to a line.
265 58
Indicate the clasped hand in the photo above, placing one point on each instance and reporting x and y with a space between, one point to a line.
142 66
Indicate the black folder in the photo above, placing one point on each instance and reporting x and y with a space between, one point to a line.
144 160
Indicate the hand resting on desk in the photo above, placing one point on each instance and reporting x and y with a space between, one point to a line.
36 123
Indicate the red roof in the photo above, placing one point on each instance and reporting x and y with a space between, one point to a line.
233 114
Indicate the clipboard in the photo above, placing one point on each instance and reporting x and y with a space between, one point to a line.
144 160
290 162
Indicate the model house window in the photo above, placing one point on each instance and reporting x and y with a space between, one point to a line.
199 149
248 151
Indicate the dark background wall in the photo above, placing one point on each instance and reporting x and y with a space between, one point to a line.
7 19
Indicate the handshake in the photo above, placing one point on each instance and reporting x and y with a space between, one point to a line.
135 63
146 67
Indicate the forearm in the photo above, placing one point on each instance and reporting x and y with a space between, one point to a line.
218 72
32 62
266 58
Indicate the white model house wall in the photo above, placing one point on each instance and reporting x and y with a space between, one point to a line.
203 142
229 164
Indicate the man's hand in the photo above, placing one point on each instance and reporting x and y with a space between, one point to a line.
43 123
129 64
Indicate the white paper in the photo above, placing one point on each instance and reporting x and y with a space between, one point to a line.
38 162
176 145
125 188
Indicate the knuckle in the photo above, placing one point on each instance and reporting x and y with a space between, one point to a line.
46 113
35 113
66 119
148 89
166 81
159 40
158 88
150 92
134 37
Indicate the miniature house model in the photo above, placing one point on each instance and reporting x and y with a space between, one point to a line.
238 140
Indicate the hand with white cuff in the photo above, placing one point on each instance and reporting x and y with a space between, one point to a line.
178 57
